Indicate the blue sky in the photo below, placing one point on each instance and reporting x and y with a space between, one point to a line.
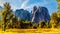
28 4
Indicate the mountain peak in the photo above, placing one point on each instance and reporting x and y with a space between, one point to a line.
40 14
22 14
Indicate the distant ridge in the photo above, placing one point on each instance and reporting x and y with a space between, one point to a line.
1 8
38 14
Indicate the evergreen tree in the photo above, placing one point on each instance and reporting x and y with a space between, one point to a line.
7 15
55 19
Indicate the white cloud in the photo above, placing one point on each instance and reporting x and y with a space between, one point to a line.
14 7
31 6
1 2
24 4
37 4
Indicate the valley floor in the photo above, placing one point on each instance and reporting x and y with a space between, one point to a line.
29 31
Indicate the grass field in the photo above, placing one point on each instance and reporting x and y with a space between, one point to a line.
29 31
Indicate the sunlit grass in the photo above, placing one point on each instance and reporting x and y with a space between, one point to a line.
29 31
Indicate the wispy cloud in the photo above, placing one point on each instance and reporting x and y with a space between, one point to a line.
45 2
28 4
1 2
12 3
30 7
24 4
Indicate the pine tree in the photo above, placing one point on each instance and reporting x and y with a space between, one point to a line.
6 14
55 19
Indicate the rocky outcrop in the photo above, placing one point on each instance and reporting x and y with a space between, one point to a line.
40 14
23 14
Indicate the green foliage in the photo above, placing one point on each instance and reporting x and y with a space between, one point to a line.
35 26
7 15
48 25
42 25
55 18
25 24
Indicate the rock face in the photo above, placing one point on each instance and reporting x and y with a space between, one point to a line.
40 14
23 14
1 8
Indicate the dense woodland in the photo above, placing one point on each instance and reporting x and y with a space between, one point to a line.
11 21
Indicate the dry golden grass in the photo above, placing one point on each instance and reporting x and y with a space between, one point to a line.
29 31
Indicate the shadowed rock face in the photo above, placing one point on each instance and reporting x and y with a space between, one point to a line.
22 14
37 14
1 8
40 14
